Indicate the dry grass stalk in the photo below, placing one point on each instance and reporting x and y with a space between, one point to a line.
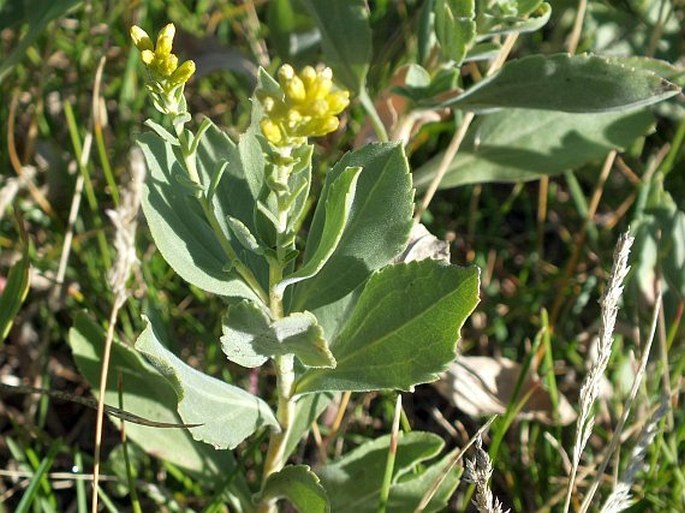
637 381
479 471
591 386
125 223
619 499
432 490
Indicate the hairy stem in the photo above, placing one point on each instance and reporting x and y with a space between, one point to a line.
284 364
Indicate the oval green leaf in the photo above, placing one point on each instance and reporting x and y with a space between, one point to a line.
579 83
250 337
179 228
520 144
353 483
145 393
345 38
403 330
377 230
300 486
337 206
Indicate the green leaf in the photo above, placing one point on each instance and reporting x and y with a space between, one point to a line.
307 410
403 330
345 39
250 337
580 83
292 32
377 230
244 235
353 483
162 132
299 184
490 25
660 243
16 288
337 205
521 144
526 7
410 493
483 51
145 393
455 27
300 486
179 228
228 414
421 89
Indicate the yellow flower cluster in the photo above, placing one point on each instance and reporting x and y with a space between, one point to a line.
162 64
307 106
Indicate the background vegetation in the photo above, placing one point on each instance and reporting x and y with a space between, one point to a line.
73 103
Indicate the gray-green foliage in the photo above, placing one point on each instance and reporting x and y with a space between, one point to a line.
402 330
337 313
513 145
207 401
145 393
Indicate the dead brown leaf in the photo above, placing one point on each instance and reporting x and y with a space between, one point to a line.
482 386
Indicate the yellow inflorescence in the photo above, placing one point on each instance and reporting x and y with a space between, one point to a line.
307 107
162 64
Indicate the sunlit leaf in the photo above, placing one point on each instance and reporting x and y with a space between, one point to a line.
338 203
520 144
251 337
145 393
402 331
228 414
353 483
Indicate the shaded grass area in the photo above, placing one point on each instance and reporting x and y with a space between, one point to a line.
56 140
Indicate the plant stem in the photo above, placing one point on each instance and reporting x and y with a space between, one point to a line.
244 271
374 117
285 385
284 364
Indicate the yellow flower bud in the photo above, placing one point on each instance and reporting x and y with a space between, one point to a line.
295 90
328 125
271 131
285 73
319 108
166 65
308 76
182 73
165 40
147 56
338 101
141 39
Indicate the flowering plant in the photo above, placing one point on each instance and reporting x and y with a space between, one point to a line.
338 314
334 301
